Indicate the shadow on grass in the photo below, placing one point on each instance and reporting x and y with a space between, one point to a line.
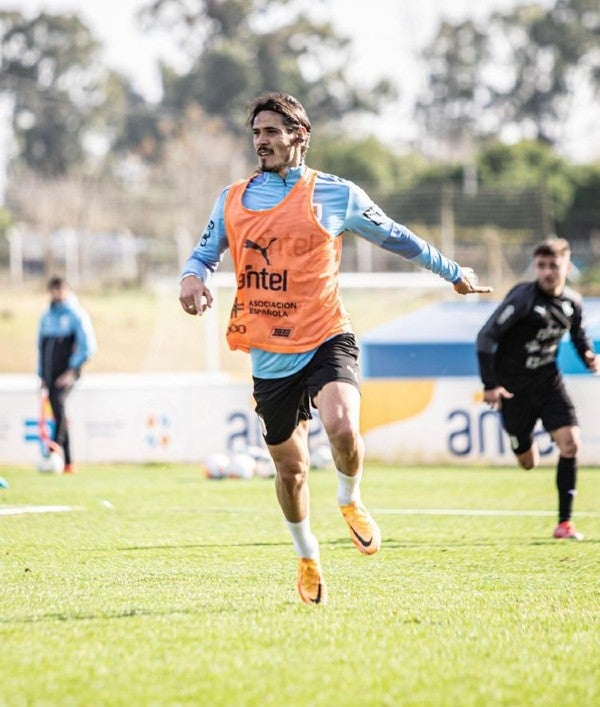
102 615
515 540
566 543
338 543
390 543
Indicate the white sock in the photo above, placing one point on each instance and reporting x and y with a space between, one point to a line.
348 488
305 543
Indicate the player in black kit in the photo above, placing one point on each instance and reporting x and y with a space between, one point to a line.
517 349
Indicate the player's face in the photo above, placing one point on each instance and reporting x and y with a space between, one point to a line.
58 294
551 272
276 147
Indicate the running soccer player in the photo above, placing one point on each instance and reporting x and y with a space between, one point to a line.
283 227
517 349
66 341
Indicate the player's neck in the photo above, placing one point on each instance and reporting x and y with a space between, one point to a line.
283 173
552 291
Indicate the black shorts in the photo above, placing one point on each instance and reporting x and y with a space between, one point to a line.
549 403
282 402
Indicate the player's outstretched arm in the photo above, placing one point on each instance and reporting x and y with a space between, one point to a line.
194 295
468 283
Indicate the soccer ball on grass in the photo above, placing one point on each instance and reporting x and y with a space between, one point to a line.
54 463
241 466
215 465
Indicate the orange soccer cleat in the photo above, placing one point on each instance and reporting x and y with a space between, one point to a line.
364 531
311 585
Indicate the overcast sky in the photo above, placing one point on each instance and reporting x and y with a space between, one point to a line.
387 36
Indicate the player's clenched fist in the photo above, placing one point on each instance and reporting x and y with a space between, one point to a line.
194 295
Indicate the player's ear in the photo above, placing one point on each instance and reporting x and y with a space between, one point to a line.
301 135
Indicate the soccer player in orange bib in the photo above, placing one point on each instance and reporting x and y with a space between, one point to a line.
283 226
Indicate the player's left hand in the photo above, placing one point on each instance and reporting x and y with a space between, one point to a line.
469 283
494 397
592 361
66 379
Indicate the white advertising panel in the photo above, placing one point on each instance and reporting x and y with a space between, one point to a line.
183 418
444 420
135 418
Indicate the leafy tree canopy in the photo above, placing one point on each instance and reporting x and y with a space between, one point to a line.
528 163
48 66
518 70
239 48
365 162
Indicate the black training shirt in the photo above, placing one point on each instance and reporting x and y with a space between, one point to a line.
518 344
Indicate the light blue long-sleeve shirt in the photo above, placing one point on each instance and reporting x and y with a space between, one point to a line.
340 205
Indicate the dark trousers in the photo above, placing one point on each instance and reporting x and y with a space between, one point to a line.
57 397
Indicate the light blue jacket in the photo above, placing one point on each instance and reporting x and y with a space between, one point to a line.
66 338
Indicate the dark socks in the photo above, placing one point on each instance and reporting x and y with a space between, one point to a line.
566 480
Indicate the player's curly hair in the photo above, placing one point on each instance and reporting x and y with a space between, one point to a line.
290 108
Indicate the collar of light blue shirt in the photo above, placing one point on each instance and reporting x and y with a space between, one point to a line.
293 175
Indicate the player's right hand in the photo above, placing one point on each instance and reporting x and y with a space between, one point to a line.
494 396
194 295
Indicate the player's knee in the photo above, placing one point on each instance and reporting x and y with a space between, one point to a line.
569 448
344 436
528 459
293 474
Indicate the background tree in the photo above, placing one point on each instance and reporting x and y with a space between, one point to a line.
546 54
368 162
49 67
132 125
519 70
529 163
582 219
450 109
239 48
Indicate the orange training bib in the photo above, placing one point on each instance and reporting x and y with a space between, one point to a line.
287 267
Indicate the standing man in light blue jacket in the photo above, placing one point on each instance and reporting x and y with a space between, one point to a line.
66 341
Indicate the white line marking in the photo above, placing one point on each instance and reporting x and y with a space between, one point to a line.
19 510
490 513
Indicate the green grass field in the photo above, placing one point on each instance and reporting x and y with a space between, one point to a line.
163 588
